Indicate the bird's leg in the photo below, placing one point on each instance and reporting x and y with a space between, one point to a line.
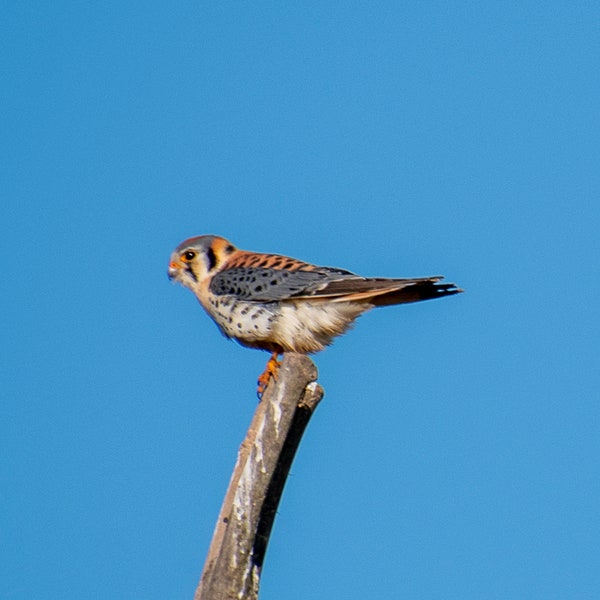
271 370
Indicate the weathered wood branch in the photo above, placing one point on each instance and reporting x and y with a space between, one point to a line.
237 551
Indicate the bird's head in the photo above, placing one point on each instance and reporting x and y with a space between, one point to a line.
198 258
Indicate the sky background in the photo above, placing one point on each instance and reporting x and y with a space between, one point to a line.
456 452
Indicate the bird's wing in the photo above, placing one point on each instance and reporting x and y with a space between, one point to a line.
385 292
264 284
274 285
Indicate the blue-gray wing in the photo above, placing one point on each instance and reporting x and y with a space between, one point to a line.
272 285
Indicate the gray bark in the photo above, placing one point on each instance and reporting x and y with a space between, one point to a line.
233 566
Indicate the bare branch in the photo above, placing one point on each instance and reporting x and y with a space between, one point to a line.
237 551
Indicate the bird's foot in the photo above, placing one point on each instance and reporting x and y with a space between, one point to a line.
271 371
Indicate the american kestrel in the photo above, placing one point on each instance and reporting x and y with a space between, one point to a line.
281 304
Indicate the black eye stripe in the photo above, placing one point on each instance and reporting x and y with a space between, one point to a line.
211 259
189 269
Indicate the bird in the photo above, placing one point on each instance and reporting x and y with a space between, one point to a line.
281 304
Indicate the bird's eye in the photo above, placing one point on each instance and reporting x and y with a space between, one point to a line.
187 256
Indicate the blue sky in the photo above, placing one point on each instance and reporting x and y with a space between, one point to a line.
455 454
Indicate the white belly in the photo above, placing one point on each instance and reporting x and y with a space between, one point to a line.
304 326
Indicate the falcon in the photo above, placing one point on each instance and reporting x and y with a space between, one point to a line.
281 304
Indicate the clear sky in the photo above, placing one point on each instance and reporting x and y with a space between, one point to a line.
456 452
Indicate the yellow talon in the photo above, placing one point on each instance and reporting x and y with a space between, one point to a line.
271 371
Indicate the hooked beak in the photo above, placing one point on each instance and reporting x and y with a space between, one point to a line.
174 269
